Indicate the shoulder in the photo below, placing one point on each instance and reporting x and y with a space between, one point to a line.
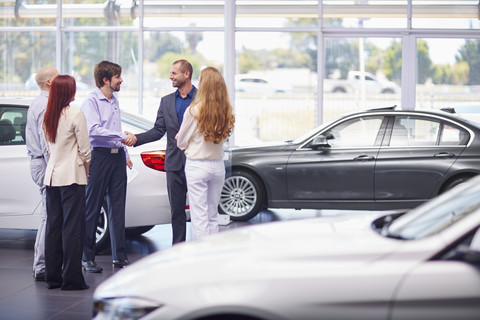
74 113
40 102
194 109
90 100
170 96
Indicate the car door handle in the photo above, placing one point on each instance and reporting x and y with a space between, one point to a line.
364 158
446 155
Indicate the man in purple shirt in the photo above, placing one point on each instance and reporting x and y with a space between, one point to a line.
107 176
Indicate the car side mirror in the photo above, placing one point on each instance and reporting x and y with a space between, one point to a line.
471 253
320 141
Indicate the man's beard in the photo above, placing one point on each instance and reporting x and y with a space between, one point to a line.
116 89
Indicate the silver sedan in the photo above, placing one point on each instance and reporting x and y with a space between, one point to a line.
424 264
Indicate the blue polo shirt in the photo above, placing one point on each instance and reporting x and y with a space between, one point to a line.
181 104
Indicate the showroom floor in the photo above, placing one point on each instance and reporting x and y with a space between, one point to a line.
23 298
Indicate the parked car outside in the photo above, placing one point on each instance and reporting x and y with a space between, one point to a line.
20 203
376 159
254 84
420 265
352 83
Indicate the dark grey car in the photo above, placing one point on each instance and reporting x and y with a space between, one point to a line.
376 159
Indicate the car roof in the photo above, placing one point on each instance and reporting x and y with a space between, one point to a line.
395 110
17 101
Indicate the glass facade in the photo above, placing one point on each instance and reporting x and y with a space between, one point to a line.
289 65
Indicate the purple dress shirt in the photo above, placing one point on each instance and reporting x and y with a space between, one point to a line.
103 121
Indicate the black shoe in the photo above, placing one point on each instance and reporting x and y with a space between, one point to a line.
53 285
91 266
120 263
39 276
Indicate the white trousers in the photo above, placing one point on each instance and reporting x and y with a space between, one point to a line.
204 182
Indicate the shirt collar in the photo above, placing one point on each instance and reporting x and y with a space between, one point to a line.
101 96
189 94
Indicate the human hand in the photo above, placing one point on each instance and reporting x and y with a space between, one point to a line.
131 139
129 163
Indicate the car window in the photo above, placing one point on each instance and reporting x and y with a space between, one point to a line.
417 131
12 124
437 215
357 132
453 135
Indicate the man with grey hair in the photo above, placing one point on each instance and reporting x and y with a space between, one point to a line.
36 149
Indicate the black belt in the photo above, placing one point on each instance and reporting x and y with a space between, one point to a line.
107 150
36 157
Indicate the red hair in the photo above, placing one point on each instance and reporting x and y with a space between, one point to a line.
62 92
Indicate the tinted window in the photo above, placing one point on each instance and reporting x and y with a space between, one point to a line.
358 132
452 135
416 131
12 125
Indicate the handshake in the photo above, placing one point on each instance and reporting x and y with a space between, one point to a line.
131 139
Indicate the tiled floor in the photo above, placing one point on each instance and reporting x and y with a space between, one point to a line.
24 299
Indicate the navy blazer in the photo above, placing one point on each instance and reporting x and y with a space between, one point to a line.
166 123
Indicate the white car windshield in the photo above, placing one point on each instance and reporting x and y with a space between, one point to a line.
438 214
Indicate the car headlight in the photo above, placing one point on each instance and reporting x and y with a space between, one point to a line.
124 308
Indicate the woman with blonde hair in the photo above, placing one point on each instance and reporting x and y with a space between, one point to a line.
207 123
66 175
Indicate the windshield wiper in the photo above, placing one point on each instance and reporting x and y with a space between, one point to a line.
394 236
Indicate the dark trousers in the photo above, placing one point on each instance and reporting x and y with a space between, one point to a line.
177 194
107 181
64 237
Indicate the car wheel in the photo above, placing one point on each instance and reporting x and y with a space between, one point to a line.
242 196
102 239
136 231
455 183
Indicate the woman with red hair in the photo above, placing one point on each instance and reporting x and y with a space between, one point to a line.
66 175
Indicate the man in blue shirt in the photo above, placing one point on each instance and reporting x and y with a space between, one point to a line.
169 118
107 175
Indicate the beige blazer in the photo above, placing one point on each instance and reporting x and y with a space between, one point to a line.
70 154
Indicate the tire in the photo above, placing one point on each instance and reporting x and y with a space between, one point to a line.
455 183
102 233
243 196
136 231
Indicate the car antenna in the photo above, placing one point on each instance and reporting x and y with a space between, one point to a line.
449 110
384 108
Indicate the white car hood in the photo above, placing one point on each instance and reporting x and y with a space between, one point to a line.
253 253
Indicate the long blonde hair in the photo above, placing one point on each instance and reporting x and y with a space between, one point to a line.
215 115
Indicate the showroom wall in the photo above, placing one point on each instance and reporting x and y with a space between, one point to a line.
289 65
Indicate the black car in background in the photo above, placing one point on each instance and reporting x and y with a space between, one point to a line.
372 160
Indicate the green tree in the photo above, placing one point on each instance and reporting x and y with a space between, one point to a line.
424 63
392 61
160 43
470 53
307 42
193 39
447 74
